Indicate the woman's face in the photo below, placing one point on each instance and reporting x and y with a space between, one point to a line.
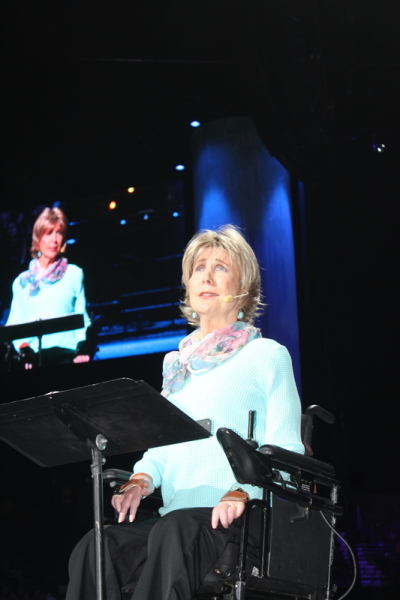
214 277
51 242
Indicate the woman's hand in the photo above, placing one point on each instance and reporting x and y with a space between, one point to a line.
27 354
81 358
226 512
139 485
127 503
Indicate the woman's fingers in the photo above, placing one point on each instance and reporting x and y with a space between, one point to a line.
116 502
127 503
81 358
226 513
240 509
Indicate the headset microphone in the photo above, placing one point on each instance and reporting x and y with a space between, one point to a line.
231 298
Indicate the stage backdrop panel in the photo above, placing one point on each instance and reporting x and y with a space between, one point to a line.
237 181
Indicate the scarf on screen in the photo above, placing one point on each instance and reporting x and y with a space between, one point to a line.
35 276
200 356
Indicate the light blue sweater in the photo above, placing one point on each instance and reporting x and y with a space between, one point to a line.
259 377
63 297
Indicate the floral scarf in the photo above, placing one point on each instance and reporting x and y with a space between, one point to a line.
35 276
199 356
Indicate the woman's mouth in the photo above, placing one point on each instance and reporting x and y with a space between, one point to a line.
207 295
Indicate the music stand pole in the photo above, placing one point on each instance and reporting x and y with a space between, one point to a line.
87 430
97 476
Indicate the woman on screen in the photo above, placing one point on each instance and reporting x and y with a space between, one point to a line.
50 288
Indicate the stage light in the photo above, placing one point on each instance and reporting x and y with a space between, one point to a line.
130 190
179 167
175 214
122 222
71 241
195 124
379 147
380 141
145 217
112 205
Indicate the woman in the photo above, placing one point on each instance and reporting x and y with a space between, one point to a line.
222 370
50 288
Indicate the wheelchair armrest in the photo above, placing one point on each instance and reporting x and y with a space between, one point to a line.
255 468
248 465
116 477
280 457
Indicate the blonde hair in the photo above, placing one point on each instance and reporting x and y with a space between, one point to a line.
244 260
47 219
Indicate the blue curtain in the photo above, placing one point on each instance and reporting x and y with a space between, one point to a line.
237 181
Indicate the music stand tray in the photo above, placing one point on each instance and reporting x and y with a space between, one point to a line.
113 417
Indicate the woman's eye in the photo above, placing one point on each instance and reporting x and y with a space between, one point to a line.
199 268
220 268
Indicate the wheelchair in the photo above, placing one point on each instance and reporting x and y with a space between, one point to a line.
296 519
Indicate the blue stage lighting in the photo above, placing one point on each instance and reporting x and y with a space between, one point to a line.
195 123
71 241
145 217
179 167
175 214
122 222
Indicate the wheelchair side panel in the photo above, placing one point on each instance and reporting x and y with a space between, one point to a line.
299 547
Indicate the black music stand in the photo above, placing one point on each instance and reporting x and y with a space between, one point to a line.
40 328
107 418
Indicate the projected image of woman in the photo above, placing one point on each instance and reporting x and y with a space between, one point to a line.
50 288
222 370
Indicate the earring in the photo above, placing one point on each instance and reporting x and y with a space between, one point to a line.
63 249
194 315
39 254
240 314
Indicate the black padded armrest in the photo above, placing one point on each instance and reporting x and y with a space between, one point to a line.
281 457
256 468
116 477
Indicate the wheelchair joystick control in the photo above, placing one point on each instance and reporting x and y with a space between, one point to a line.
250 430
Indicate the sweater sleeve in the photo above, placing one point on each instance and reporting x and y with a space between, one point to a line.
283 414
80 307
283 418
153 464
17 311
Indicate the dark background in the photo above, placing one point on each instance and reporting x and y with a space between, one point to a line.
97 99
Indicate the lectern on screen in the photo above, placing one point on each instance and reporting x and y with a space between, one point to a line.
107 418
41 327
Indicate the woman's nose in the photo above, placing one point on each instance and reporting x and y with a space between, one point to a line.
207 277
